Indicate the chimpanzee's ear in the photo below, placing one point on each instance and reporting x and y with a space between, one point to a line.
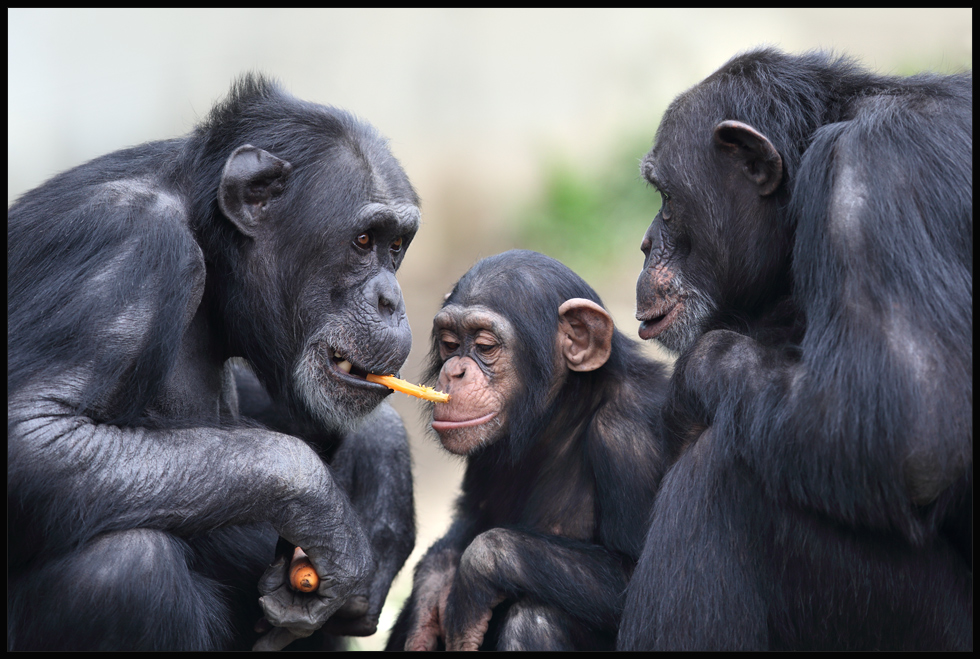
250 179
754 154
585 332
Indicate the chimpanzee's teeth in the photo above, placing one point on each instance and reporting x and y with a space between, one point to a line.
344 364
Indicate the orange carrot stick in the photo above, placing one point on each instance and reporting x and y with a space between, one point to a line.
302 576
420 391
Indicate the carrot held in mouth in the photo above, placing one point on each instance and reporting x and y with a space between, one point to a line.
419 391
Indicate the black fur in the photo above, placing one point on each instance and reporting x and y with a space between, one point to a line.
142 509
826 500
560 592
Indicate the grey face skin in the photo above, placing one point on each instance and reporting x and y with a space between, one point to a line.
695 271
370 333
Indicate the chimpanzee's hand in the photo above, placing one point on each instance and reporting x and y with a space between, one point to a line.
294 614
473 595
354 618
465 632
430 594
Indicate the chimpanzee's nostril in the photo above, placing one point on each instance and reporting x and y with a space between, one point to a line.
387 294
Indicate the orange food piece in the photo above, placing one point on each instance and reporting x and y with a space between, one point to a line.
302 576
419 391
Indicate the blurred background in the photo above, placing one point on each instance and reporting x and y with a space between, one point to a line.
518 128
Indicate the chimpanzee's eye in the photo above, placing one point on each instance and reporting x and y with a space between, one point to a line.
665 206
487 351
448 342
396 244
364 240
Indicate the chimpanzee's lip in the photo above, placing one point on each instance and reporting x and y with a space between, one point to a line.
654 324
443 425
349 372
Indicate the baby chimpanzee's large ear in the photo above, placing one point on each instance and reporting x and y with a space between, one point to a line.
585 332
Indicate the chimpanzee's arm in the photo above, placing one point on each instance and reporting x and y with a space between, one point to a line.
421 622
803 426
99 478
583 580
373 465
871 424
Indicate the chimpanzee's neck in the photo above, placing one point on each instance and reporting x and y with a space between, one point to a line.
504 479
779 323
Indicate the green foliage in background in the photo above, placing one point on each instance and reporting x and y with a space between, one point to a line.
592 217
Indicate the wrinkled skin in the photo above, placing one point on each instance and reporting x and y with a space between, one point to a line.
433 579
372 465
696 274
364 329
479 375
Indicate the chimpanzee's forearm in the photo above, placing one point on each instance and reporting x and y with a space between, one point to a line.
585 581
184 480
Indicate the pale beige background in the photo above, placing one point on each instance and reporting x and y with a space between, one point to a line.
473 100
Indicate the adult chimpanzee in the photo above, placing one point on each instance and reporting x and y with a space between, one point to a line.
141 510
558 415
816 234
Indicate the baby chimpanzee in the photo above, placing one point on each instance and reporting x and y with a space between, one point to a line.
557 414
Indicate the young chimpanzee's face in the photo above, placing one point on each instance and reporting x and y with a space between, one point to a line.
476 347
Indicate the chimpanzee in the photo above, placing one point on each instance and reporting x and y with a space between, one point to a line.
557 413
813 263
142 508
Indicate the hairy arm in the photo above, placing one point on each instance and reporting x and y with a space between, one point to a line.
73 479
422 621
583 580
373 466
871 422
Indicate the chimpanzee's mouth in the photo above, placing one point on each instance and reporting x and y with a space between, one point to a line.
341 363
442 425
654 325
350 372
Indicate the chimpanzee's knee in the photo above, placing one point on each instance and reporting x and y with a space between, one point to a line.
532 626
134 584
